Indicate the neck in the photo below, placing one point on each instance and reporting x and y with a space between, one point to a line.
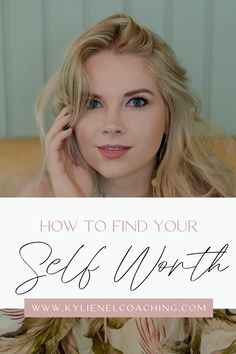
137 184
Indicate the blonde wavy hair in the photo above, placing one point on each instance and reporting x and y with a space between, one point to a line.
186 165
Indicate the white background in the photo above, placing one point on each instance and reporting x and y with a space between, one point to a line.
20 223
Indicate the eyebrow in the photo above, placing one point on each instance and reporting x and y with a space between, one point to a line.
127 94
130 93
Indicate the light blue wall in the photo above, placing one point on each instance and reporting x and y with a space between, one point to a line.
35 33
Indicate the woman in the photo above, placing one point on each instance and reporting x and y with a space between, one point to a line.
125 121
126 125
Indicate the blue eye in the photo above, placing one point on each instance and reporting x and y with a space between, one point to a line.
138 102
94 104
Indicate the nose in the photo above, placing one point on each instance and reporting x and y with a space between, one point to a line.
113 124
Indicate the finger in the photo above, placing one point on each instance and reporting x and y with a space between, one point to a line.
63 112
57 126
56 144
62 117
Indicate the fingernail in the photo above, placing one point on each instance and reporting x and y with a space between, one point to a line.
66 127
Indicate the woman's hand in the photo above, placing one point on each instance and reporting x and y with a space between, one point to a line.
68 179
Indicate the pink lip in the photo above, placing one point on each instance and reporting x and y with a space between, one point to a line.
113 151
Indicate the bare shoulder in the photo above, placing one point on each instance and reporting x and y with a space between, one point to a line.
36 188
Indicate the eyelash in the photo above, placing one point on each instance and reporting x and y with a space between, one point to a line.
92 101
144 103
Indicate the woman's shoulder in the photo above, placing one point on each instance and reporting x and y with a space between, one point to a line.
37 188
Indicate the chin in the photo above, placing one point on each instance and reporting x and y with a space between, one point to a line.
110 174
113 172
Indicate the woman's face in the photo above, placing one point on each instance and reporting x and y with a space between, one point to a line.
121 131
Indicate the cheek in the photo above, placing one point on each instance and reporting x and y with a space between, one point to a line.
83 139
158 127
151 133
84 133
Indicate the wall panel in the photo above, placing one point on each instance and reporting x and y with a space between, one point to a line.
24 72
62 21
188 40
223 85
35 33
96 10
152 15
3 115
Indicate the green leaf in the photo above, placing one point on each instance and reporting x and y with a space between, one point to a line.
40 332
95 325
98 346
109 349
231 349
116 323
196 343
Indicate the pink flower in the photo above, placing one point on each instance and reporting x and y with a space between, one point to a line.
151 333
